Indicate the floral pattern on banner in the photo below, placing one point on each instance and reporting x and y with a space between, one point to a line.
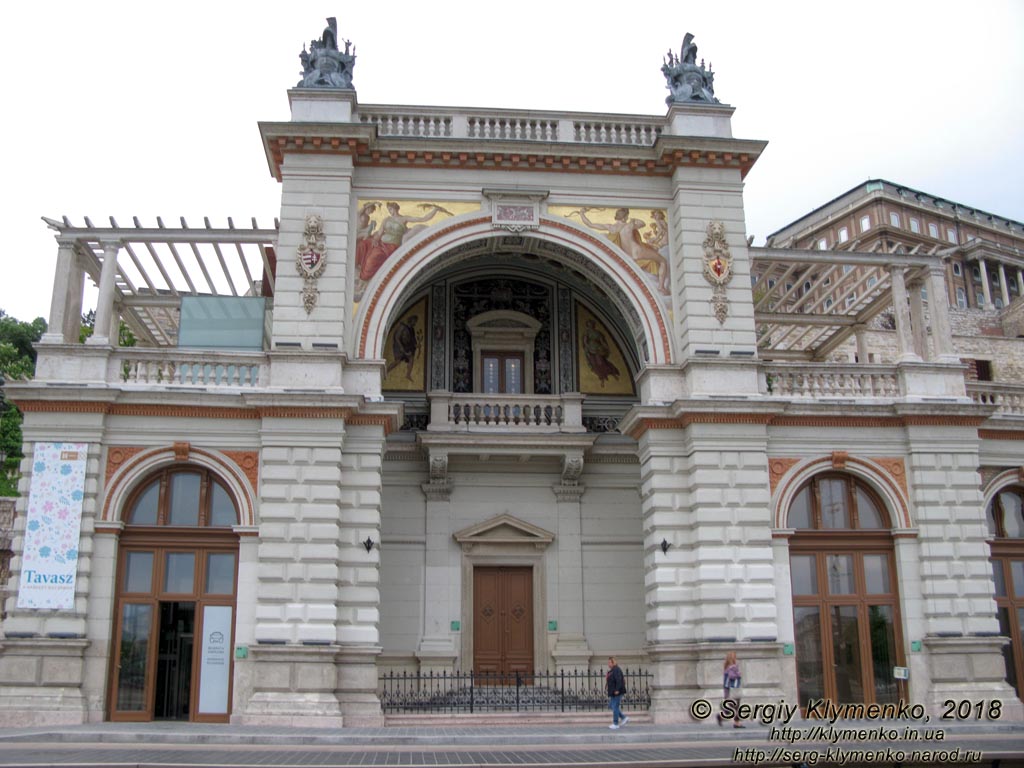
53 527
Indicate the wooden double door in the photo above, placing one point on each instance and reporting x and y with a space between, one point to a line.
502 622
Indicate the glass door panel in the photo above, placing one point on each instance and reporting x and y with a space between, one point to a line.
883 653
809 657
133 657
846 658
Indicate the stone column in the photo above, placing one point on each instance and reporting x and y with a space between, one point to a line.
105 301
571 650
918 325
861 335
985 287
63 279
958 614
1020 282
904 333
1004 289
73 312
437 650
942 328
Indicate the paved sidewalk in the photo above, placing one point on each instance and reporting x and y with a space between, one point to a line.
175 744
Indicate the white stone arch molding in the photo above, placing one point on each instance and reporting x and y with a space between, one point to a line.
385 292
140 467
873 474
999 483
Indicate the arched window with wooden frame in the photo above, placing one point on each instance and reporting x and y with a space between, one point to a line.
845 595
1005 516
175 599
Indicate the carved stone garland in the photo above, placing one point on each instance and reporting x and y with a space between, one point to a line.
717 268
311 259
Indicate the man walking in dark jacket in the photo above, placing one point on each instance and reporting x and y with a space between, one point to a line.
616 685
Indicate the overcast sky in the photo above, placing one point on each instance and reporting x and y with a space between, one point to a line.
144 109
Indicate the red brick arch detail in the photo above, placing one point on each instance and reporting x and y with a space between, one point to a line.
241 467
889 472
662 331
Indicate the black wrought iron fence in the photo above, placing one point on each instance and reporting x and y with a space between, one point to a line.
576 691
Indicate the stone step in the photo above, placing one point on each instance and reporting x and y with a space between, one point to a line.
457 719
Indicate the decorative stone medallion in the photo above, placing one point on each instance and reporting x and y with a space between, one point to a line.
718 268
311 259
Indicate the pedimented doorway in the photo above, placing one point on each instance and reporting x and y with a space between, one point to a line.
503 601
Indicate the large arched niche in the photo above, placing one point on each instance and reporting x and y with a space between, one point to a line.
470 236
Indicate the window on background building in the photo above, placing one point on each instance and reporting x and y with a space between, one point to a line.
807 286
957 269
894 218
979 299
961 298
976 272
872 281
828 303
924 292
915 226
851 300
865 223
998 302
951 235
823 244
844 234
847 269
933 229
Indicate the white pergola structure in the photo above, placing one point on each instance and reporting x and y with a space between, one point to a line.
806 302
143 272
809 302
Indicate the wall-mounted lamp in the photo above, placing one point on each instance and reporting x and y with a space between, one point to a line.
368 543
664 546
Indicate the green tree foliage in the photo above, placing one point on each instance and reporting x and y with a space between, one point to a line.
17 362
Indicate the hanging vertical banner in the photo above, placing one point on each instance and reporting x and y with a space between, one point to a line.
53 527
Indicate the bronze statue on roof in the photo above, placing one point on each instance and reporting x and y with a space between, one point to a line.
324 65
685 79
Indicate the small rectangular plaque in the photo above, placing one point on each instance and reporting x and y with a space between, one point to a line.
552 626
456 626
901 673
787 649
241 652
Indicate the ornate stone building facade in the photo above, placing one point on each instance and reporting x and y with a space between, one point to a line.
495 393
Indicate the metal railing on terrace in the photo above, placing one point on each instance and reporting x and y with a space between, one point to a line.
452 692
509 125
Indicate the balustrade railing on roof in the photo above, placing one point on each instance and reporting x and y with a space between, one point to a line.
800 380
187 368
509 126
1008 398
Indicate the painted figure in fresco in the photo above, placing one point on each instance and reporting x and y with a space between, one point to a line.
404 346
386 240
657 237
596 350
625 233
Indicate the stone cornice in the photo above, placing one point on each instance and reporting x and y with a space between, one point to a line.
367 148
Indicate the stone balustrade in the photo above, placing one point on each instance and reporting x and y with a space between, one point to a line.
1008 398
804 380
187 368
508 125
522 413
